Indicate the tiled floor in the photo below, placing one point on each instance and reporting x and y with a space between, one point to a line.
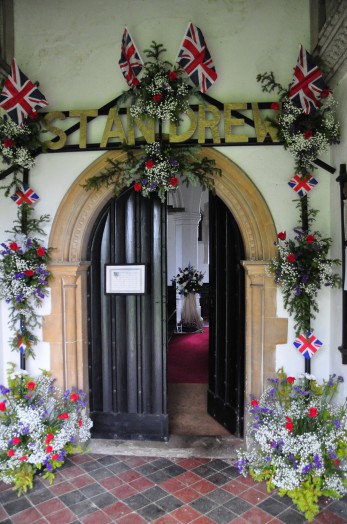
102 489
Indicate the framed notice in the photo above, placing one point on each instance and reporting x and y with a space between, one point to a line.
129 279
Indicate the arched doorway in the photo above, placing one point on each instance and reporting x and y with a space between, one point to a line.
66 328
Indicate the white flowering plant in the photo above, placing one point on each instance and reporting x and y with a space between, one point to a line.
188 280
298 440
301 269
161 93
39 426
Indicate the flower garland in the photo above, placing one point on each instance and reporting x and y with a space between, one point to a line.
162 93
160 169
305 136
298 440
302 269
188 280
39 426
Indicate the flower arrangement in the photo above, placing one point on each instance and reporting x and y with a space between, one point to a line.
301 269
305 136
158 169
188 280
39 426
162 93
24 281
298 440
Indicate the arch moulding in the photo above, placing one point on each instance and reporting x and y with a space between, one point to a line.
66 327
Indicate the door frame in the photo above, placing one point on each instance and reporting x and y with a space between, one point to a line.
66 327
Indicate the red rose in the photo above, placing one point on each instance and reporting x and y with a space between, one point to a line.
33 115
49 449
336 462
149 164
313 412
41 251
23 458
137 186
308 134
10 453
8 142
173 181
80 423
275 106
291 258
289 426
173 75
31 385
135 82
282 235
157 97
49 437
310 239
254 402
325 93
74 397
55 456
290 380
63 416
14 246
16 440
2 406
29 273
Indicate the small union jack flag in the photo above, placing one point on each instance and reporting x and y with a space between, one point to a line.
20 97
196 60
307 346
307 83
302 185
130 61
26 195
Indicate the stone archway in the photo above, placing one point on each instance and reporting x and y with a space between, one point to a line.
66 327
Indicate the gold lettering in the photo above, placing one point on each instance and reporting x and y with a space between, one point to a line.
118 132
55 144
230 121
186 135
83 114
262 128
145 127
210 124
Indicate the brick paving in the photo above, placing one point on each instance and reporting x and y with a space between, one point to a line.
101 489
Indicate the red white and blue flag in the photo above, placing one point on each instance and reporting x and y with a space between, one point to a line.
194 57
307 84
307 346
130 61
25 196
20 97
302 185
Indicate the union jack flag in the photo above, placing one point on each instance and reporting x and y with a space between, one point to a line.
196 60
25 195
20 97
307 346
302 185
130 61
307 83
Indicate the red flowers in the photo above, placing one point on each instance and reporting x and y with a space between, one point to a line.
308 134
290 380
49 449
74 397
325 93
41 251
282 235
16 440
275 106
336 462
14 246
29 273
80 423
8 142
137 186
313 412
10 453
135 82
173 75
31 385
2 406
23 458
291 258
157 98
149 164
310 239
33 115
173 181
254 402
289 424
49 437
63 416
55 456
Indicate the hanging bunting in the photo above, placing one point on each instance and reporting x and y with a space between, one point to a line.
26 195
302 185
308 345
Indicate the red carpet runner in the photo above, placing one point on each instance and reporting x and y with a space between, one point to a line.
188 358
